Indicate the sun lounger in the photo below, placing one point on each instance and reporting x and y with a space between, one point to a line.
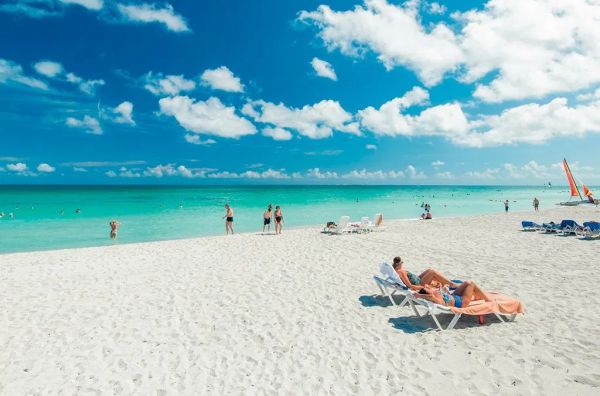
530 226
344 226
365 225
502 306
569 227
551 227
591 229
388 279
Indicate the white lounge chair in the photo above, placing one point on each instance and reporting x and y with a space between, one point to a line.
344 226
388 279
366 225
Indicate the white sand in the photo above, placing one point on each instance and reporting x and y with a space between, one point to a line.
296 314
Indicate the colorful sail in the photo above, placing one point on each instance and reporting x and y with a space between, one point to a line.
587 192
572 184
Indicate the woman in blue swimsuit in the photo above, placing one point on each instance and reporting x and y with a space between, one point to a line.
416 282
461 297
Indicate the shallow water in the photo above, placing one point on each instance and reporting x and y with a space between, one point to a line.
148 213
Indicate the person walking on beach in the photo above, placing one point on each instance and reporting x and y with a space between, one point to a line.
267 218
536 204
114 226
506 206
228 219
278 220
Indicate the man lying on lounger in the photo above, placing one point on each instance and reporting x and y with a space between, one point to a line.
415 282
461 297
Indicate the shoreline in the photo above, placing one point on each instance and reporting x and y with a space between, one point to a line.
300 227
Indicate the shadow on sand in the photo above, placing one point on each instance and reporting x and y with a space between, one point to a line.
414 324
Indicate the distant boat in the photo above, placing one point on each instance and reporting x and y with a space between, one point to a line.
575 190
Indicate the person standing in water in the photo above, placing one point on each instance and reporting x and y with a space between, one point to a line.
536 204
506 206
114 226
228 219
267 218
278 220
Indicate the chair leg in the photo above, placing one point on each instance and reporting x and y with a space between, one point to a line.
435 319
404 302
414 308
454 321
499 317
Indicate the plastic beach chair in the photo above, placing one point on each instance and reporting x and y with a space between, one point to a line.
530 226
388 279
569 227
591 229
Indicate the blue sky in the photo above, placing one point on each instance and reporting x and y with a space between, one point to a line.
352 92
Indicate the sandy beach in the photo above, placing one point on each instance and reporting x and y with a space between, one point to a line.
300 314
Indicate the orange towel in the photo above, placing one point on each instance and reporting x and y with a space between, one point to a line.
500 303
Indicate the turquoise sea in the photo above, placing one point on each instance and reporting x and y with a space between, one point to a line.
149 213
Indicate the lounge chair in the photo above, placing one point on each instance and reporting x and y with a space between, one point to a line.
591 229
569 227
551 227
344 226
504 307
366 225
530 226
389 279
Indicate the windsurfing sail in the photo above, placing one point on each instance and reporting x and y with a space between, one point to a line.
574 190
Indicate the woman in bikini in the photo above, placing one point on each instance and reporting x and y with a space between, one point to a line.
228 219
278 220
461 297
416 282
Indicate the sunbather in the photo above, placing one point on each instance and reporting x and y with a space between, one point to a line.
415 282
461 297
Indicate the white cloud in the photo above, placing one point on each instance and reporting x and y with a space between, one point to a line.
172 85
394 33
371 147
86 86
152 13
195 139
32 8
523 56
487 174
11 72
370 175
317 174
45 168
221 78
316 121
328 152
90 124
277 133
78 169
173 170
437 8
445 175
94 5
49 68
413 173
437 163
124 113
208 117
18 167
323 69
99 164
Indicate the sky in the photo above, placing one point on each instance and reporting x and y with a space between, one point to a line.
299 92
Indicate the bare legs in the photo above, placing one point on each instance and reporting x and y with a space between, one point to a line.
470 291
229 227
430 275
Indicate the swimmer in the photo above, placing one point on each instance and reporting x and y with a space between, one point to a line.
114 226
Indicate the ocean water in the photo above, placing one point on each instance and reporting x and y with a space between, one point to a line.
149 213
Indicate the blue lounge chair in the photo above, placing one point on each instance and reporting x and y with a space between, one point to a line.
591 229
551 227
530 226
570 227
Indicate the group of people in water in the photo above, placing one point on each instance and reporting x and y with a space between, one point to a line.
434 286
427 214
268 216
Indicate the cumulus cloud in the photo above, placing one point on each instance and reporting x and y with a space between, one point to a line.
89 124
18 167
11 72
152 13
277 133
437 8
317 174
501 47
394 33
413 173
210 117
323 69
373 175
437 163
124 113
171 85
45 168
94 5
86 86
316 121
445 175
56 70
221 78
195 139
49 68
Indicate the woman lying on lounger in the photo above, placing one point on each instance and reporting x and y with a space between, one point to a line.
461 297
415 282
